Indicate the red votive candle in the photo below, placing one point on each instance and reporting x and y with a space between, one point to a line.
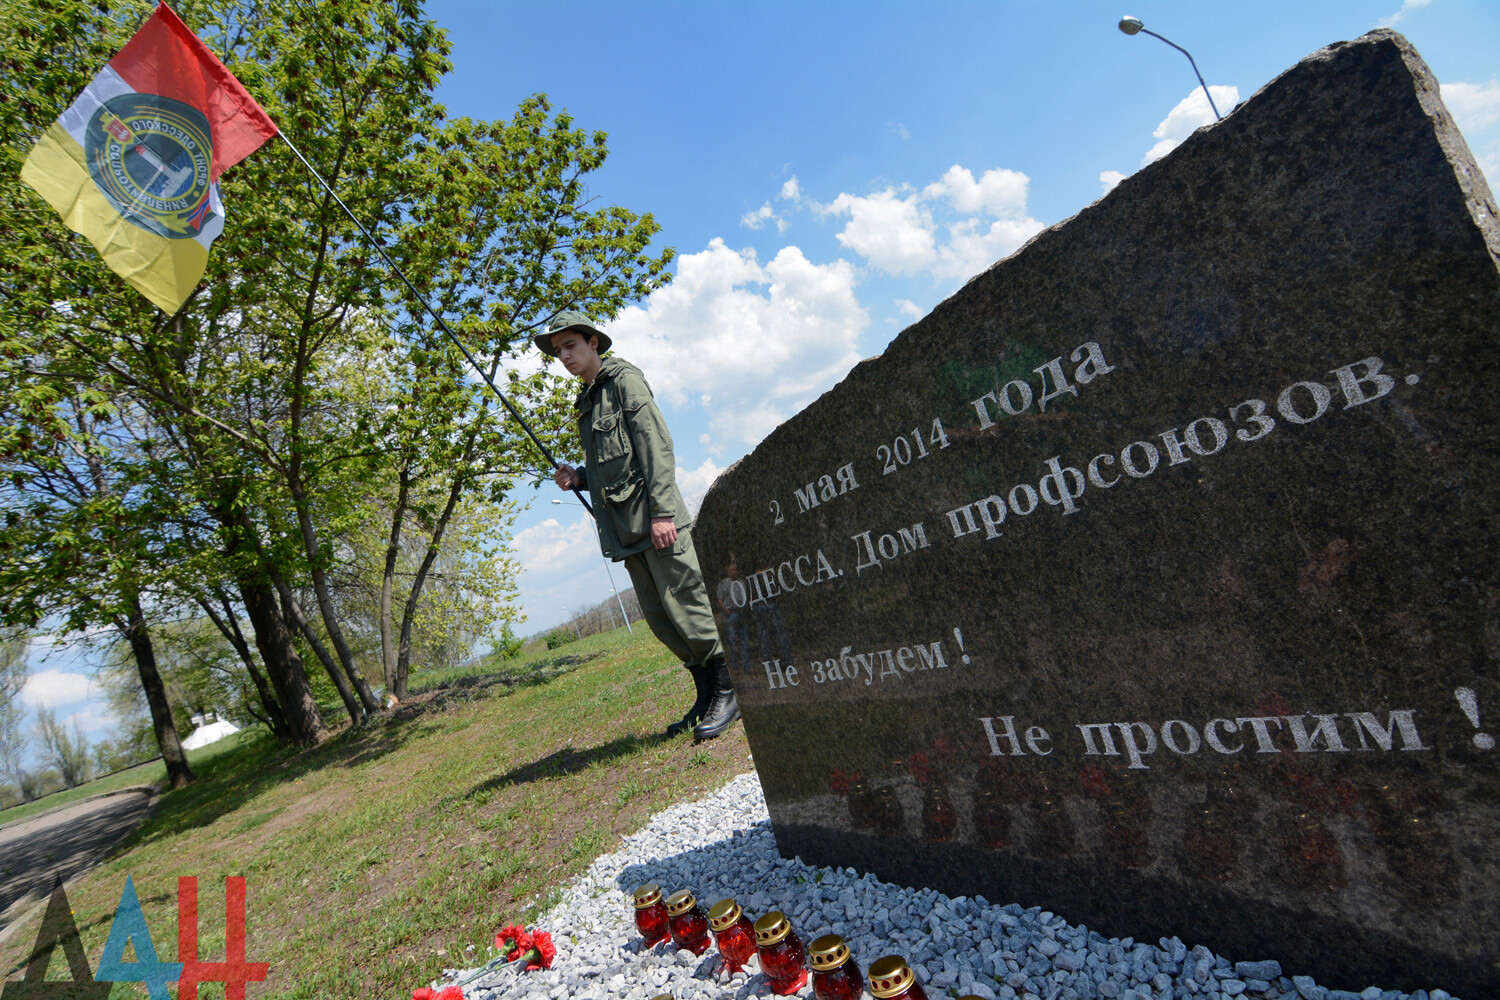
733 932
782 957
835 976
892 979
650 914
687 923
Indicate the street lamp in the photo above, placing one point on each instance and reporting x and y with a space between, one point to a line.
1132 26
628 629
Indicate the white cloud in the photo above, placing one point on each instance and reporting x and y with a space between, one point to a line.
760 341
791 190
908 308
971 249
1109 178
89 721
896 231
553 547
901 131
1001 193
694 483
53 687
1474 106
1407 7
562 567
1490 164
890 231
759 217
1192 112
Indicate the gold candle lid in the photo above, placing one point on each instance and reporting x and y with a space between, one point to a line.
725 914
647 895
828 953
772 928
889 976
680 902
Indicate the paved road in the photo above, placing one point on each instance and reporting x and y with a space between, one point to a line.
65 841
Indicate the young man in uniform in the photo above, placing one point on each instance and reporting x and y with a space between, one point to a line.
631 477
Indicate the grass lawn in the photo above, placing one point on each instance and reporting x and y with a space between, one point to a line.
375 859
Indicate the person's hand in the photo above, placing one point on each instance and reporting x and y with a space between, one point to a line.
663 532
567 478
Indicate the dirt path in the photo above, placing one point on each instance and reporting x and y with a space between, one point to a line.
65 841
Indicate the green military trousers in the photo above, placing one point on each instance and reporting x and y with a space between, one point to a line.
669 585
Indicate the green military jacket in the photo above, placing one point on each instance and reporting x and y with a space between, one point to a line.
629 469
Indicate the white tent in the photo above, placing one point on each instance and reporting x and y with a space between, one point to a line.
208 732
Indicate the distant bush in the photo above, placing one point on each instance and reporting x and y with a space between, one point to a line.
509 645
559 638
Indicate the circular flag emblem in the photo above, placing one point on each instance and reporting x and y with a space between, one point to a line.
150 155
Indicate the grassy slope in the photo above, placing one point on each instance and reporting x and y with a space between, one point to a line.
375 859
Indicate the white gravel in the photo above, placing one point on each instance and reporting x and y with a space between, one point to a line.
722 846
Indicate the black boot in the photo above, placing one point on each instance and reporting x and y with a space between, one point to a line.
702 680
723 709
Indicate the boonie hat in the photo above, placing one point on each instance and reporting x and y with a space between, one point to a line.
570 320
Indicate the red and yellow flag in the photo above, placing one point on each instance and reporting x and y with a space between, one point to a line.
133 165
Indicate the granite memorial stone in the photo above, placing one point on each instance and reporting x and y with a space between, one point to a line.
1152 577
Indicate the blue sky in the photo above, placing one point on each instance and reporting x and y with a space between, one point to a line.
830 171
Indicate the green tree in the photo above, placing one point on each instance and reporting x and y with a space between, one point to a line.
253 417
14 672
65 751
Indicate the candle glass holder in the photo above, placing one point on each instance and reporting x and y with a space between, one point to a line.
687 922
835 976
733 931
892 979
782 957
651 914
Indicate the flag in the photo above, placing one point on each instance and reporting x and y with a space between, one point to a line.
133 165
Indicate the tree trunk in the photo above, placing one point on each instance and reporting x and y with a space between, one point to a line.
297 485
387 587
419 579
292 612
274 719
277 652
179 774
331 625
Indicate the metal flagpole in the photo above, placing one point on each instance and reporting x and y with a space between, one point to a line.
431 312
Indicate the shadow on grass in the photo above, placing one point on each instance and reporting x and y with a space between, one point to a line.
568 761
259 763
492 673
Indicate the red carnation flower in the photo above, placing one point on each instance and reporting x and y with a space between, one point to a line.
422 993
507 936
520 947
541 953
450 993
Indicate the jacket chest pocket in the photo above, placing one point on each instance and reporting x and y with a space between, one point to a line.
610 446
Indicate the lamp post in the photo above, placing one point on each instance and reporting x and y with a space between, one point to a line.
628 629
1132 26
